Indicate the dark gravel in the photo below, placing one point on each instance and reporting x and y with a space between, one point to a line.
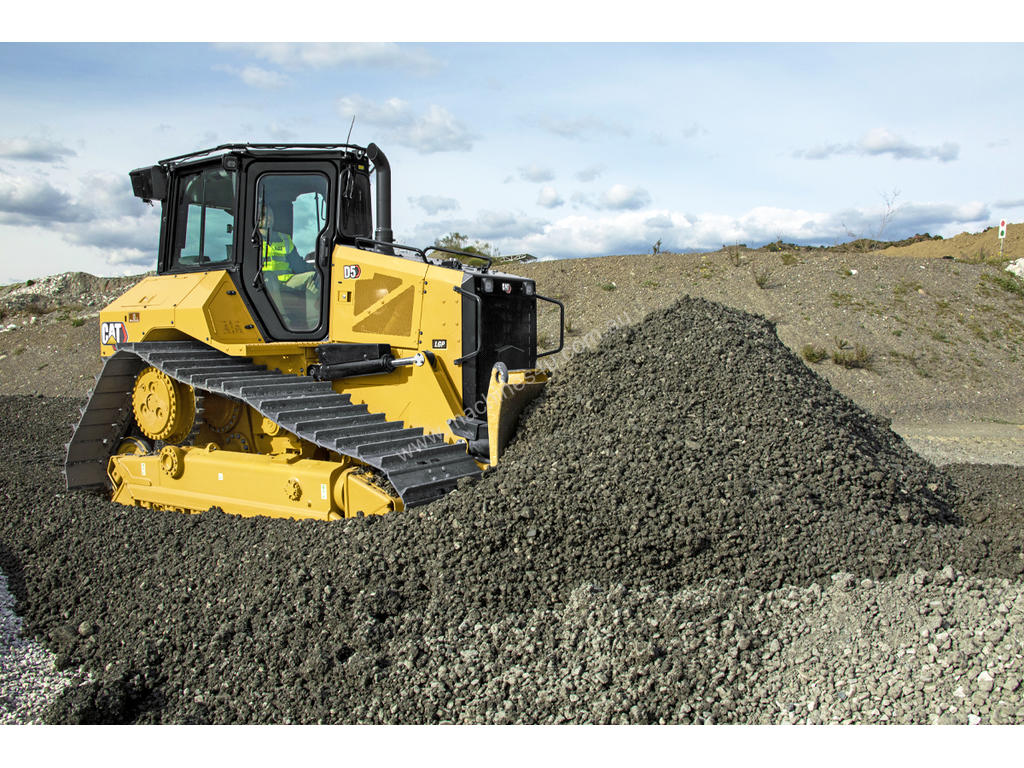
678 473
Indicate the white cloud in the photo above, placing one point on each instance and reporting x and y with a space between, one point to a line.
280 132
633 231
389 113
1018 203
620 197
32 200
693 130
435 130
258 77
883 142
434 204
330 55
35 150
660 221
133 238
589 173
548 197
488 225
495 224
103 214
536 173
581 128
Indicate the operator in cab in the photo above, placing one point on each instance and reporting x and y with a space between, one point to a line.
281 263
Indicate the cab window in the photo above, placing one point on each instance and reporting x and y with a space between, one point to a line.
205 221
291 211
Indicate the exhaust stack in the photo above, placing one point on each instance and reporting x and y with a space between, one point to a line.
382 167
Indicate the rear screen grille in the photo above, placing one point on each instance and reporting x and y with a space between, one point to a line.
508 330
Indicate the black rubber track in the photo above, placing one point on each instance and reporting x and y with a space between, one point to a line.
680 470
420 467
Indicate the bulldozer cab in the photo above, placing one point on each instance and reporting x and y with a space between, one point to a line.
267 214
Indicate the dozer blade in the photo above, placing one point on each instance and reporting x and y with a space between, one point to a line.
508 393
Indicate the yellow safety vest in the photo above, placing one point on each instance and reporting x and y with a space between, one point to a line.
275 255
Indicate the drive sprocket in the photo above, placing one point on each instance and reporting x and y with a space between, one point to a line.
164 409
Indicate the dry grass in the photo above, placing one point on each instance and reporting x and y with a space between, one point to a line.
762 276
857 356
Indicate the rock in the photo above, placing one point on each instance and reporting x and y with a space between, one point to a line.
985 682
945 576
844 581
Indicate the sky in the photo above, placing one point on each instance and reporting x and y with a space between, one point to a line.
559 150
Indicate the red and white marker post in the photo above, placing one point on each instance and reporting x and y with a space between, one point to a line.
1002 236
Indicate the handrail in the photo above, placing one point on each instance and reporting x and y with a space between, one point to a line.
452 251
392 246
561 324
479 324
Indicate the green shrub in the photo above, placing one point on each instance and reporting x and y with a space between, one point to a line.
813 354
856 357
1007 281
762 276
78 322
37 308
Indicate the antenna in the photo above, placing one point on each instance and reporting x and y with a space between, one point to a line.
347 138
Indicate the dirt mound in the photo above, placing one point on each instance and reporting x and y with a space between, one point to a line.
78 290
612 568
967 246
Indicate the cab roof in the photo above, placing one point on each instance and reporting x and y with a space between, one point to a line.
346 151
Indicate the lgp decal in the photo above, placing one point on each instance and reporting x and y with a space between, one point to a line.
113 333
440 344
351 272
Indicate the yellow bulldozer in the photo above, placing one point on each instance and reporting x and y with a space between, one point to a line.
290 360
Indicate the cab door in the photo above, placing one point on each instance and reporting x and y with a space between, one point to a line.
286 242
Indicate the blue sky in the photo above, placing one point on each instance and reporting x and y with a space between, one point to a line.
556 149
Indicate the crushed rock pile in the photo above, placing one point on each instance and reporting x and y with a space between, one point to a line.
28 681
623 564
75 289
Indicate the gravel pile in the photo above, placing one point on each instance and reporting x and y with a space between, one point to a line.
657 544
29 684
78 289
924 648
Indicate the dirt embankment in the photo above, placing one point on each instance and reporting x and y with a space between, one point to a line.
940 332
